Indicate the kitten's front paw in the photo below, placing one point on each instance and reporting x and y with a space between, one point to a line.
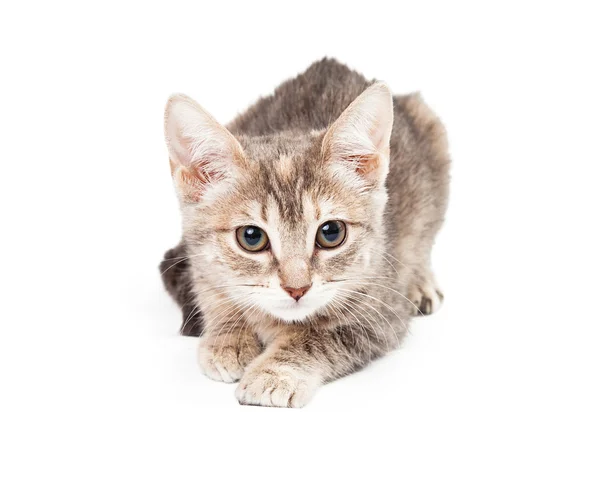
226 360
276 386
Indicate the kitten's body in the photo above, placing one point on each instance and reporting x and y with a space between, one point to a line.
384 272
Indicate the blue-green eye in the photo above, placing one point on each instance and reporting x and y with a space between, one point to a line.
331 234
252 238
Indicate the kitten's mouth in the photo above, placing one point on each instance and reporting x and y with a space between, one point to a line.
287 309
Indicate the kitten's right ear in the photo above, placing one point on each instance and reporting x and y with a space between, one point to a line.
201 151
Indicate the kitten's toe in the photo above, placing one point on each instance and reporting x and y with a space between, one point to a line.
225 362
276 387
426 298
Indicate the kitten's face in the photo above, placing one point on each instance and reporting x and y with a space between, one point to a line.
291 219
287 232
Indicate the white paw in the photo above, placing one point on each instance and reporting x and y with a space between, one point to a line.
276 386
225 362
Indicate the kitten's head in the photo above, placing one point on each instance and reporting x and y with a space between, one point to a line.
283 223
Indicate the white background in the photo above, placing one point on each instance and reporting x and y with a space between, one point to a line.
95 381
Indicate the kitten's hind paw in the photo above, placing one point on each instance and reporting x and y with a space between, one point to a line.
426 297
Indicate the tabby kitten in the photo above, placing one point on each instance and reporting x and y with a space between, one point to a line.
308 225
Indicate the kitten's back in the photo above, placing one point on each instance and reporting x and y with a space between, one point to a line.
310 101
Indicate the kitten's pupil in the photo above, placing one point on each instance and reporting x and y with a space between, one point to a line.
331 231
252 236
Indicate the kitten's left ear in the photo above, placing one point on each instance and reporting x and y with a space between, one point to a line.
359 140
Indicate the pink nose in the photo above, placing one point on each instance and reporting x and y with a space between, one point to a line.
297 293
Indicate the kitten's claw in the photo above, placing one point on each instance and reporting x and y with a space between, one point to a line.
276 387
226 362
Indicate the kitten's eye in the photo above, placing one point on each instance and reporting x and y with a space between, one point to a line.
331 234
252 238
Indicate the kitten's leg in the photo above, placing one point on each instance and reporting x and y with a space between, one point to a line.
298 361
226 349
418 198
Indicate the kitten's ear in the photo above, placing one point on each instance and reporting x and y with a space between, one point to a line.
201 151
359 140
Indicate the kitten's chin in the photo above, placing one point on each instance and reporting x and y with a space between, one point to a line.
295 314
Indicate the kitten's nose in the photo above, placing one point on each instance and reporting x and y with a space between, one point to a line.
297 293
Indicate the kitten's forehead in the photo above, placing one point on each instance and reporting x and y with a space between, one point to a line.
283 171
287 185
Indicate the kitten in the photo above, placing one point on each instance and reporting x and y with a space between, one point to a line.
308 225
